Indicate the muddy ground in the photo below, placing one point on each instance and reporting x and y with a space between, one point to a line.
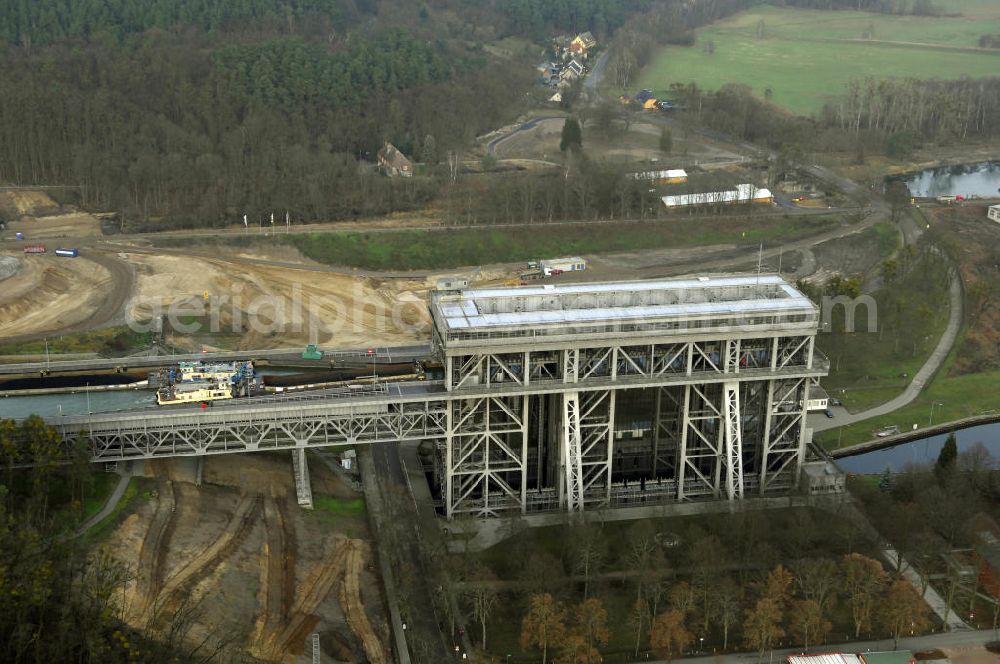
238 563
974 241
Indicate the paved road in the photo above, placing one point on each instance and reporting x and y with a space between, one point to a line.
911 233
109 506
596 74
922 377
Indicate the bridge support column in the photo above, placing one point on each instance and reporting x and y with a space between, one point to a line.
485 450
733 441
303 487
587 449
783 441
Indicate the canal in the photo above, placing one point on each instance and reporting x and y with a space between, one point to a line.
922 451
981 180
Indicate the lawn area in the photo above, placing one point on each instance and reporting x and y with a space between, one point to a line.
805 56
866 368
408 250
108 340
953 397
339 505
104 527
101 487
458 247
789 23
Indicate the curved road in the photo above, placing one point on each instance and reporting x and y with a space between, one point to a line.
911 233
111 308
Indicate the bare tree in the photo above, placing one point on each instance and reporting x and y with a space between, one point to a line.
817 579
482 597
725 607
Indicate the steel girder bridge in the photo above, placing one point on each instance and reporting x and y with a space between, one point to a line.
569 397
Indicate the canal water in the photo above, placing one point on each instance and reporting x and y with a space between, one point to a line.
981 180
52 405
922 451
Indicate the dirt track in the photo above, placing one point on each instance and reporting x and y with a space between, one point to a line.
149 573
52 296
204 563
350 599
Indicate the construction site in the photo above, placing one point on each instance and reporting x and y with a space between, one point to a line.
229 559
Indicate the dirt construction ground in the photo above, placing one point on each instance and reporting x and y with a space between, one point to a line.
267 306
50 293
237 563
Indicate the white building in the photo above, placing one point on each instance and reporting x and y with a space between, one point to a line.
993 212
743 193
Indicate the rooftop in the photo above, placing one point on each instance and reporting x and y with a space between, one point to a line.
663 304
824 658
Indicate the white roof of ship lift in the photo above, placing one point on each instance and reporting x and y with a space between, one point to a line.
825 658
464 313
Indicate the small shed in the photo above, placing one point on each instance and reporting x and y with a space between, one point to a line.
452 283
571 264
993 212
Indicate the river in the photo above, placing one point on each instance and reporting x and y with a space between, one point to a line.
922 451
982 180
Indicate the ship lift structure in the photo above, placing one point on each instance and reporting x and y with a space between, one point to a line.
570 397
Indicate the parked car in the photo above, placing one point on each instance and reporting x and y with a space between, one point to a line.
828 413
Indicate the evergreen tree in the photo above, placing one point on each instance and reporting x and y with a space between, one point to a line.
429 154
666 141
886 483
946 458
572 136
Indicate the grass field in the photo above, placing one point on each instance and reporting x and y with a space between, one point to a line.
407 250
108 340
807 56
953 398
459 247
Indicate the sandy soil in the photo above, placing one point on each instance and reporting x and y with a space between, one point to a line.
16 203
50 293
217 549
971 655
289 306
69 225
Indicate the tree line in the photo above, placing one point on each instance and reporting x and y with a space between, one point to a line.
171 130
61 598
706 600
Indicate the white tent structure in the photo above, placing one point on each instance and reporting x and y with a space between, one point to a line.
743 193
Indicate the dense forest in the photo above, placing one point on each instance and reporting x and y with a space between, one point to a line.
191 113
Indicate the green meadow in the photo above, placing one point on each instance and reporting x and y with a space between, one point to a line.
808 56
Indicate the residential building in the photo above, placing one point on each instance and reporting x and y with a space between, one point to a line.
993 212
394 163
